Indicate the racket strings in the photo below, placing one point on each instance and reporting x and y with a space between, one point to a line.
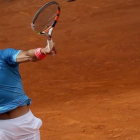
46 18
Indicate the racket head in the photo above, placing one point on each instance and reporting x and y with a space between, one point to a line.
46 18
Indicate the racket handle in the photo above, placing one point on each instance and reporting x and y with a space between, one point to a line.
50 46
49 37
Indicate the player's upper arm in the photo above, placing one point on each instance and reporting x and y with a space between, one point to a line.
13 56
26 56
23 57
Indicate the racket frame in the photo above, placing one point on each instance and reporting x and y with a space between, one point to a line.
47 31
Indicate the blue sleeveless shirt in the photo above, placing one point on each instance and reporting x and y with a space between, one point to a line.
12 94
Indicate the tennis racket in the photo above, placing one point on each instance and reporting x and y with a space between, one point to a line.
46 18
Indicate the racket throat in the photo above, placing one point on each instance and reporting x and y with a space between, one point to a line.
48 31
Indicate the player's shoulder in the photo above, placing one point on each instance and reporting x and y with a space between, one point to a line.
10 55
8 52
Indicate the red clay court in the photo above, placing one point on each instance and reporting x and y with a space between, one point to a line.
90 90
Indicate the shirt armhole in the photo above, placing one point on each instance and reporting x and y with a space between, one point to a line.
15 56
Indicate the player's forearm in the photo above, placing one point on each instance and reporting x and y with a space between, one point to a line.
25 56
31 55
37 54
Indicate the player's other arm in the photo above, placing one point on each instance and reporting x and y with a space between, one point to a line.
36 54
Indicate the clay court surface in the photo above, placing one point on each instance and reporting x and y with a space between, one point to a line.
90 90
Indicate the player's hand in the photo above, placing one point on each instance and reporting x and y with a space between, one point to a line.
50 48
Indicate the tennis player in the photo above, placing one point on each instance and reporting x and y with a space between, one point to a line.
16 119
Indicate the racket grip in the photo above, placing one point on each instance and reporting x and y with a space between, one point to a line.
50 46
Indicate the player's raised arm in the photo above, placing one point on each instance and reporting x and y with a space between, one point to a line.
36 54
